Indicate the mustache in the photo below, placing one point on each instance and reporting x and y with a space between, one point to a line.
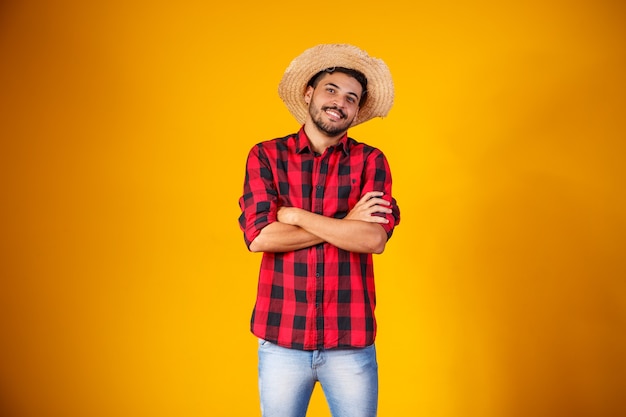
337 109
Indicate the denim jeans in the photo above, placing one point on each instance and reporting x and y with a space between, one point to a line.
349 379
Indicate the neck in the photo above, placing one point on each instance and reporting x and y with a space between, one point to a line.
318 139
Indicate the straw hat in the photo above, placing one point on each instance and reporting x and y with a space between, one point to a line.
379 83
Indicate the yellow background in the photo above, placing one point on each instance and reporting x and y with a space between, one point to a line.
126 288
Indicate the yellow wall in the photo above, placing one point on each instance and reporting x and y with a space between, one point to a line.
126 288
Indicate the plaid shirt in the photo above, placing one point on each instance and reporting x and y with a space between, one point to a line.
320 297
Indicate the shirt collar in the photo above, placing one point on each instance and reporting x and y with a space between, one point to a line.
303 144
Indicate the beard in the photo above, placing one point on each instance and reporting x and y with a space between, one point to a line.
329 129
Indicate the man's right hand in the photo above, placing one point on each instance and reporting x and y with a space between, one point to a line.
370 203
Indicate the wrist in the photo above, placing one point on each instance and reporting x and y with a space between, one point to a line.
294 216
288 215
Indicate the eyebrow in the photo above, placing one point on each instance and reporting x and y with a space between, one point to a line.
339 88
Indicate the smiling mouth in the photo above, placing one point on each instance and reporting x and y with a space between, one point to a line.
334 112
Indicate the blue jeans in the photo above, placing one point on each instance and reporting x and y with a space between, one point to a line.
349 379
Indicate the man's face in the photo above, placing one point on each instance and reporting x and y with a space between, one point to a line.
334 103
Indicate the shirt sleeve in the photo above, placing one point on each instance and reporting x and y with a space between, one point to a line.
378 178
259 200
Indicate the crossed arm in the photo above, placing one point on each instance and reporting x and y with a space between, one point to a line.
297 228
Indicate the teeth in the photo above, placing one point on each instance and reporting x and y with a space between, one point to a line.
334 114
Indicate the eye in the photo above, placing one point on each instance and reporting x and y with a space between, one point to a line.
330 89
351 100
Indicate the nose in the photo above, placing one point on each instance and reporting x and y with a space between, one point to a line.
340 102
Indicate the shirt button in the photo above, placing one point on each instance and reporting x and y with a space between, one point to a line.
317 275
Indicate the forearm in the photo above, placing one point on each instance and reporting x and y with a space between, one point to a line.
349 235
281 237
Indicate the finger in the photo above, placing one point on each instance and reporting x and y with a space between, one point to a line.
379 209
378 201
375 204
377 219
371 194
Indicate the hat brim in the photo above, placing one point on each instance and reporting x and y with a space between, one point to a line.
380 89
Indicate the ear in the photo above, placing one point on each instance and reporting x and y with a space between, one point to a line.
308 94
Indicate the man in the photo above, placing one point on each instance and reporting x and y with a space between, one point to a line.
318 204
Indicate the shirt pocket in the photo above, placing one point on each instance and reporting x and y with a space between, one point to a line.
349 192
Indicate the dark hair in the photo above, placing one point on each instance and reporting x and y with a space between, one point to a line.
357 75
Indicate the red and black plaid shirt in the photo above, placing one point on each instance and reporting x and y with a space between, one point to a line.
320 297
